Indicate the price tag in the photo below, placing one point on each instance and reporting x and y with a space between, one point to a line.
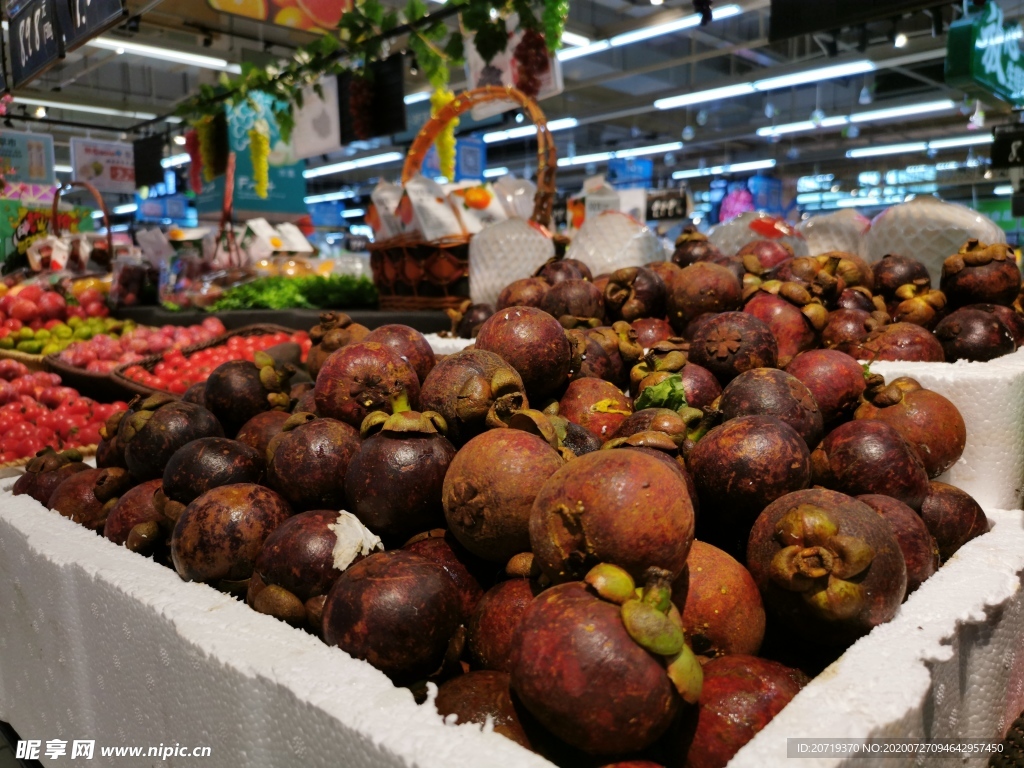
82 20
36 42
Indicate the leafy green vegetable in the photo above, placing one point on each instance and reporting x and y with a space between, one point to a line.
314 292
668 394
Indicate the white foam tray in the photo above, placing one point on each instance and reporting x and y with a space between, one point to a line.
445 345
99 643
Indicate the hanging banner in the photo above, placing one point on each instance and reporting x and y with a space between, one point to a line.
27 158
317 128
22 225
82 20
983 56
35 39
107 165
307 15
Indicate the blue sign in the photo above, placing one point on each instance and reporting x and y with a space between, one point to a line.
328 214
82 20
470 158
36 40
27 158
630 172
174 207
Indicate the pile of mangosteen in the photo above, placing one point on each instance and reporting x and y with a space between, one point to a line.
625 526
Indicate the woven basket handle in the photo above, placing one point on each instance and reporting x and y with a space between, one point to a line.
55 228
547 160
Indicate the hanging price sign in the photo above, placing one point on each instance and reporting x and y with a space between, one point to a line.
35 39
82 20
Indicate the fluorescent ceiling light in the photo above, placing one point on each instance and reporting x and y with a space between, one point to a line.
175 161
1003 189
815 75
718 170
686 22
83 108
654 149
891 149
353 213
351 165
905 111
63 169
780 130
597 157
329 197
961 141
568 54
571 38
165 54
699 97
415 98
121 210
526 131
493 173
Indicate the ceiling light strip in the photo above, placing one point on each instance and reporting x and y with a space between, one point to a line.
165 54
719 170
351 165
921 146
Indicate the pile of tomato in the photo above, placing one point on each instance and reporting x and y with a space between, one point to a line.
36 411
176 372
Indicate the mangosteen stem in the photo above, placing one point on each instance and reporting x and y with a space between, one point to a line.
658 589
612 583
686 675
400 402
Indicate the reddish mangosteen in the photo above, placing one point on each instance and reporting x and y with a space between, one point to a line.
835 380
651 330
929 422
822 275
473 390
307 461
238 390
135 508
258 431
953 517
88 496
869 456
305 404
668 272
618 507
771 392
589 358
300 561
974 335
362 378
738 265
899 341
334 331
1011 319
827 565
858 297
739 468
692 246
532 342
847 328
634 292
734 342
699 288
740 697
661 361
467 319
409 344
528 292
679 425
569 439
582 675
920 552
792 314
495 620
595 405
46 471
720 604
156 430
490 488
439 546
196 394
297 390
559 270
210 462
981 274
575 304
770 253
394 479
851 268
601 282
481 697
396 610
919 304
219 535
893 270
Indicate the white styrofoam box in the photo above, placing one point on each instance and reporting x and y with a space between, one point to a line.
990 396
503 253
447 345
843 230
614 240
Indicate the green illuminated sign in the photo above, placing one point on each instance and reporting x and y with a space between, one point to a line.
984 57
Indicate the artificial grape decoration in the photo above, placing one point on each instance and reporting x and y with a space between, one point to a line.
531 62
445 141
195 170
259 152
360 106
207 151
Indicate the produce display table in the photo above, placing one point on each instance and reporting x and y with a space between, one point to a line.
297 319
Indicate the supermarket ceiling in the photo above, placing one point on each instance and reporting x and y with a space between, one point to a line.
639 76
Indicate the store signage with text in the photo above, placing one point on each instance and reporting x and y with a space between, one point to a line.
82 20
36 42
107 165
983 56
27 158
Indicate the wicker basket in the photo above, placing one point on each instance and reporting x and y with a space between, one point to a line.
150 362
413 274
85 450
101 387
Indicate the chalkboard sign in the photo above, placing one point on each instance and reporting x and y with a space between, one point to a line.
82 20
36 42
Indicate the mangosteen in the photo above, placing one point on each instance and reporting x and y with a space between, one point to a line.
919 304
859 297
821 274
238 390
733 342
953 517
219 535
651 330
847 328
693 246
685 426
634 292
920 552
893 271
869 456
473 390
721 607
258 431
981 274
305 404
771 392
482 697
739 468
334 331
834 379
528 292
558 270
851 268
196 394
362 378
87 497
589 359
110 449
396 610
793 315
494 622
210 462
770 253
156 430
1013 321
667 271
929 422
46 471
699 288
467 319
899 341
575 304
490 488
410 345
700 388
439 546
974 335
595 405
618 507
307 461
827 565
135 508
532 342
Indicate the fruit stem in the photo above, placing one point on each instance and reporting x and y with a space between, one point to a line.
400 402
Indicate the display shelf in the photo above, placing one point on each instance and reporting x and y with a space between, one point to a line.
296 319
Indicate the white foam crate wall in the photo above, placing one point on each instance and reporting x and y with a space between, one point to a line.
99 643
